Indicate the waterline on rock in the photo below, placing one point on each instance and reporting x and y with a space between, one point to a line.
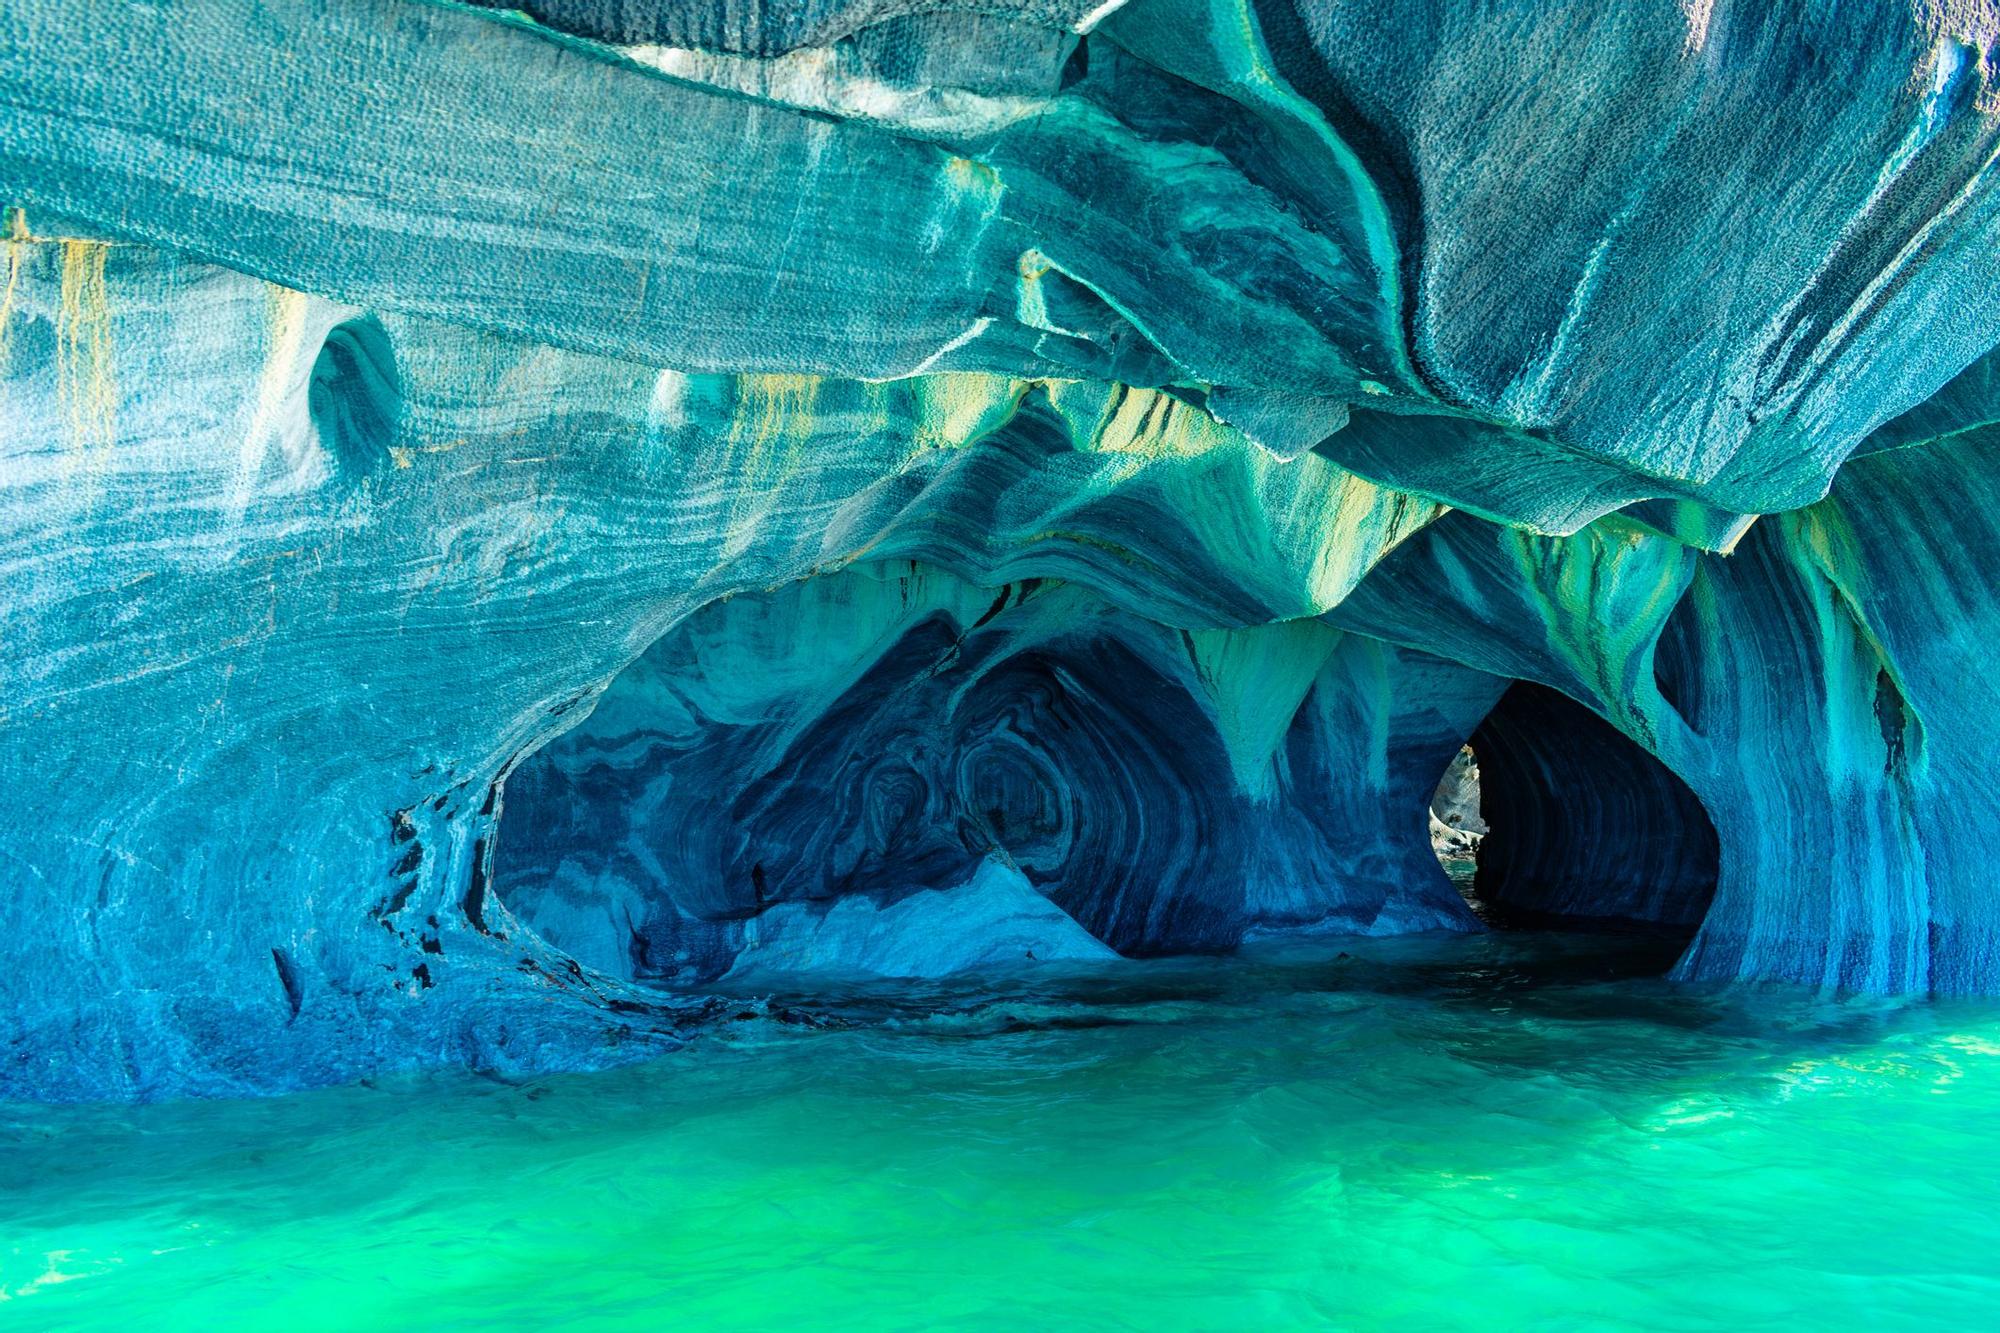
1514 1128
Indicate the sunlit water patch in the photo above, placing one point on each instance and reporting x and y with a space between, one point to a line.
1495 1132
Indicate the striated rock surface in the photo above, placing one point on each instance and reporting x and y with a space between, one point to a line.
508 517
1584 822
882 732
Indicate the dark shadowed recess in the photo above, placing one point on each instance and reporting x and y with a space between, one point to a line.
355 397
1585 827
664 836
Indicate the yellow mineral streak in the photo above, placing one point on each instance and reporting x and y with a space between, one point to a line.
1144 426
955 411
772 411
772 427
17 244
1606 593
1824 540
1366 522
85 382
969 174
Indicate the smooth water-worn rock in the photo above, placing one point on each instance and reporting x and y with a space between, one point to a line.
881 734
299 602
508 516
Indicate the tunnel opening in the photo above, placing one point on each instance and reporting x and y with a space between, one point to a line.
1551 818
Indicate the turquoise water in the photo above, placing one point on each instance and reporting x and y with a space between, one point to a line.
1468 1133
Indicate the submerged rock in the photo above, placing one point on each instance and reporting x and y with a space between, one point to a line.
479 485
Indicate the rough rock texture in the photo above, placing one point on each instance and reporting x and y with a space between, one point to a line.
383 379
1457 826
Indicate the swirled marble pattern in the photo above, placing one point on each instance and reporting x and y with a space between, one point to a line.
508 517
884 732
1581 822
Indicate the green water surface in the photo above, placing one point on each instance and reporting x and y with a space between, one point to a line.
1470 1133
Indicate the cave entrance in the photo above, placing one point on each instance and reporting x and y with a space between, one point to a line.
889 771
1552 818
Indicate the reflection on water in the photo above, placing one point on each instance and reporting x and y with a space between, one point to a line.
1492 1132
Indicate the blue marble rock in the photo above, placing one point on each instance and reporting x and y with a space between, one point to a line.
882 734
514 519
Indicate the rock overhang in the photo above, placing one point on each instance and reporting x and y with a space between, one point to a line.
385 381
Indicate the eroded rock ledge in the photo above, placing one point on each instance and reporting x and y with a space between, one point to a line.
510 519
